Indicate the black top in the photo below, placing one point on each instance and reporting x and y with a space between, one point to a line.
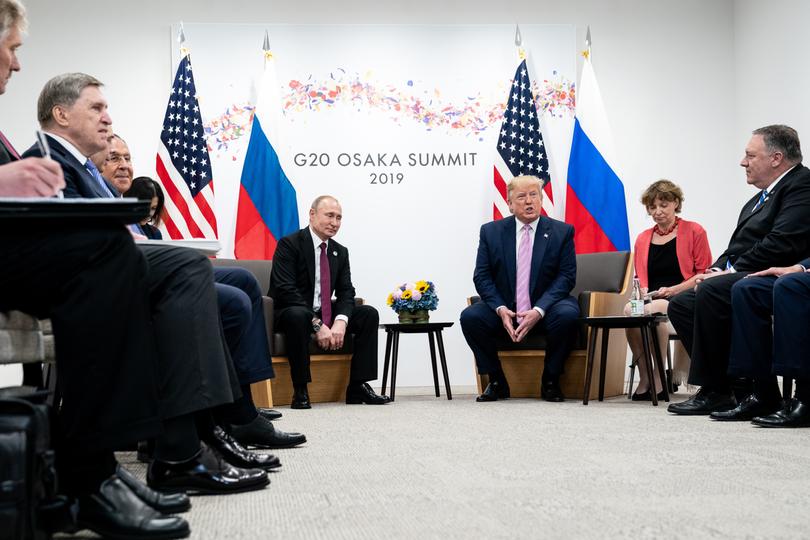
662 266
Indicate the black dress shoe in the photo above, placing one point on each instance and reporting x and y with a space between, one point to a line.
300 398
362 393
647 396
551 391
747 410
166 503
237 455
114 511
795 414
262 434
704 402
207 473
494 391
270 414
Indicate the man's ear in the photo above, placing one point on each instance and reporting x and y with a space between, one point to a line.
60 115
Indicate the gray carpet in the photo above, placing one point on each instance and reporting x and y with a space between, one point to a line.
431 468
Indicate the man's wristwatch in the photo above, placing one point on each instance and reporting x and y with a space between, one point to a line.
316 325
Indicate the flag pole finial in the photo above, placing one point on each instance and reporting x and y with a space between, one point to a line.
587 52
266 47
519 42
181 39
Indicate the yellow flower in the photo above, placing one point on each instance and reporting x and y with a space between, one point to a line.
390 299
407 294
422 286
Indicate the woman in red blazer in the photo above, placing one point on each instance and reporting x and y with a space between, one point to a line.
668 257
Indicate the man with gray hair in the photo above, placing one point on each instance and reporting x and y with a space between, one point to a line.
773 229
52 268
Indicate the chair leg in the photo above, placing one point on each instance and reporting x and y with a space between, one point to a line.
589 366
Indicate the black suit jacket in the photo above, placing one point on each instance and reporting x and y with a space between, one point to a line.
778 232
79 183
292 280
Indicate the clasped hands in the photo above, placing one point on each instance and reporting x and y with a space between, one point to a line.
528 319
331 339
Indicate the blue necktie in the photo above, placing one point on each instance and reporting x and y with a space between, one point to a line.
91 168
761 201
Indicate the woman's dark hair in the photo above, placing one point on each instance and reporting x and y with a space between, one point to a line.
145 188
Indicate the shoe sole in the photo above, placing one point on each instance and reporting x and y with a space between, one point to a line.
300 407
361 402
108 533
194 490
273 446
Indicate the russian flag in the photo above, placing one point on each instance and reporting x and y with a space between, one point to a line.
268 206
595 203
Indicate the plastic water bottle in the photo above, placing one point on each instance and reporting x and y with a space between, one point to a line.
636 300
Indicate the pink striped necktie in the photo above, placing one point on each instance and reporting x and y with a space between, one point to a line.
524 263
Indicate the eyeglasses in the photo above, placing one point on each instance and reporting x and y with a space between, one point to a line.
118 158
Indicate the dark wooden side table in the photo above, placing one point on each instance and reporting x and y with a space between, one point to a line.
434 332
649 340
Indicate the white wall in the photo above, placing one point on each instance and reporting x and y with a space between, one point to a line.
683 83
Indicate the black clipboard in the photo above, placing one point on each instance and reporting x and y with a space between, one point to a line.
128 210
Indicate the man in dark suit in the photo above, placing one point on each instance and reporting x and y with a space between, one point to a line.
52 269
195 368
524 272
773 230
770 324
309 266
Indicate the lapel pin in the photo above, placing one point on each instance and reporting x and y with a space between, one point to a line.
334 253
545 235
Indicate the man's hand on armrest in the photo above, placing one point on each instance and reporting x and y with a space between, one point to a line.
31 177
779 271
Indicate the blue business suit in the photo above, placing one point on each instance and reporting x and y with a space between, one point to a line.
553 273
761 347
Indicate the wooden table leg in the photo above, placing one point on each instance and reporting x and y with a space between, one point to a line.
394 365
603 363
645 343
589 366
433 362
444 363
659 362
388 334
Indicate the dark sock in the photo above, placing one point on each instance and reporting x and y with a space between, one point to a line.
767 389
549 378
81 473
497 376
179 441
242 411
802 390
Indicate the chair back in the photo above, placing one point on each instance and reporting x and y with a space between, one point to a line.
601 272
259 268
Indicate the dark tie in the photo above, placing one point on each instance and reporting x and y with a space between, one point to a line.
91 168
326 288
9 148
762 196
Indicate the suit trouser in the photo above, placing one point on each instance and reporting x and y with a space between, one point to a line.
702 319
89 279
296 323
196 370
791 326
483 328
241 310
752 328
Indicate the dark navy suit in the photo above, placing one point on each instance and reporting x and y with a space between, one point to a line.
553 273
757 350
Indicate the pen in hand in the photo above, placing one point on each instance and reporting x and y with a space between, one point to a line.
45 150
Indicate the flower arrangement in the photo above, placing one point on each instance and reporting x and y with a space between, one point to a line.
414 297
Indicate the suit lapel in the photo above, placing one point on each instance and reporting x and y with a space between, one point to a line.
89 185
508 240
309 256
332 256
541 239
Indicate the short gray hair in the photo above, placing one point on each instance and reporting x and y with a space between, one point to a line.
12 14
781 138
62 90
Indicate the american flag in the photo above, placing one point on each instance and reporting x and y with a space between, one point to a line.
183 164
520 148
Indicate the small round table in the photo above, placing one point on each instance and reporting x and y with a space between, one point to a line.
434 332
649 341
